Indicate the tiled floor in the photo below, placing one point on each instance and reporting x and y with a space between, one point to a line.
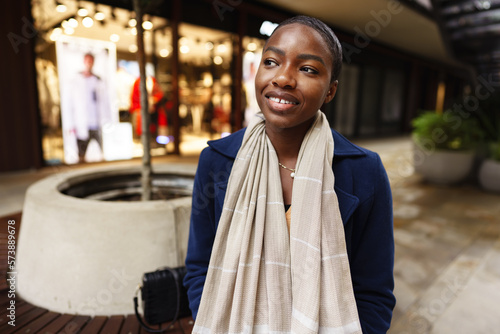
447 266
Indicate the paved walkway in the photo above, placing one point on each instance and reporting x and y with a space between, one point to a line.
447 266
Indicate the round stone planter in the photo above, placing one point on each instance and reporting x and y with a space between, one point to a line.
489 175
442 166
87 255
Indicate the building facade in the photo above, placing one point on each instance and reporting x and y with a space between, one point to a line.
201 58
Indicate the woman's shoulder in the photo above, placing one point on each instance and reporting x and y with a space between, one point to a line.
357 168
344 148
227 146
220 153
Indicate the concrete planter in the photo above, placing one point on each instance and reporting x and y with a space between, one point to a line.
489 175
442 166
85 256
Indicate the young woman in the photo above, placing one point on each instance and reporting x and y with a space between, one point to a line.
291 225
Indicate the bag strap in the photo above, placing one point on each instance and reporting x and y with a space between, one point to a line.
178 290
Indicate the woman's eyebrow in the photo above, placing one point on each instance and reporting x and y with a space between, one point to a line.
307 56
275 49
304 56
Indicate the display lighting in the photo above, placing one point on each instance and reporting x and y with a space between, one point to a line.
87 22
217 60
133 31
55 34
69 31
164 140
114 38
73 23
147 25
209 46
267 28
486 4
99 16
60 7
82 11
132 48
184 49
221 48
164 53
65 24
132 23
252 46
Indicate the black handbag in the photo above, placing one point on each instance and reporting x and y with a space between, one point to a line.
164 298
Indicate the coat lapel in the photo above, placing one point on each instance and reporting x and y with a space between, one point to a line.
347 204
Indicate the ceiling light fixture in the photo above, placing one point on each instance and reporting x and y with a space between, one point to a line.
60 7
55 34
69 31
221 48
73 23
217 60
209 46
82 11
87 22
147 25
164 53
99 16
132 48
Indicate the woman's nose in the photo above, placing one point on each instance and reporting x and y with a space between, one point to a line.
284 78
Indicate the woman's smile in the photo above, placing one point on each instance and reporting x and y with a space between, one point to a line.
281 101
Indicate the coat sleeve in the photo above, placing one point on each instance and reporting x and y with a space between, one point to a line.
372 253
201 233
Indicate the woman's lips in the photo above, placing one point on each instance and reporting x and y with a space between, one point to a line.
279 104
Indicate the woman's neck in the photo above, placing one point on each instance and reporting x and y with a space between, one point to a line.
287 142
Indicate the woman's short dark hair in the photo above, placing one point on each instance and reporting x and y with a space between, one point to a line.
328 35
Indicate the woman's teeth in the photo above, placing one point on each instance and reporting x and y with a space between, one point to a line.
275 99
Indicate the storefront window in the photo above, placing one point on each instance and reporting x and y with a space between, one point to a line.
204 85
87 81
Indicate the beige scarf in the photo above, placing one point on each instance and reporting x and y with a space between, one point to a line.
261 279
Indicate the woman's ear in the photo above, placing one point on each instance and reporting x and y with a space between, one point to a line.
331 91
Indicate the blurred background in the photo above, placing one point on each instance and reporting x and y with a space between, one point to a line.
419 85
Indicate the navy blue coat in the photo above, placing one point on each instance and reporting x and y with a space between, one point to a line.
365 204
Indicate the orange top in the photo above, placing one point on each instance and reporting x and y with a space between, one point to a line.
288 215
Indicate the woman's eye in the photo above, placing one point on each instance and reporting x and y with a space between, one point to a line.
269 62
309 70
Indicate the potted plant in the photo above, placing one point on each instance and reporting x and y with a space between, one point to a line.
489 118
445 145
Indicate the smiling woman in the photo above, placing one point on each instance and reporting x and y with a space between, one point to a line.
309 253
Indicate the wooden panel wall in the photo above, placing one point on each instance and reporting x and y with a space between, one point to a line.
20 140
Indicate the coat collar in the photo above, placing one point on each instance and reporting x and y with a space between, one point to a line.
229 146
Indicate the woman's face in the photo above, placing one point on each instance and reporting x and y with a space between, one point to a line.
293 79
